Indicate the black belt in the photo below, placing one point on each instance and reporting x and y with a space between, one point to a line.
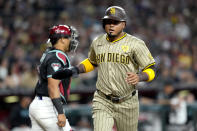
40 96
116 99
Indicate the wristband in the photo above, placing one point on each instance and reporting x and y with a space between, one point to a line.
88 66
151 74
57 102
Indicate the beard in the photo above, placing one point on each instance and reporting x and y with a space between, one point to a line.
110 35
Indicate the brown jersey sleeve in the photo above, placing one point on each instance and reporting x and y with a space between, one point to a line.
142 55
92 54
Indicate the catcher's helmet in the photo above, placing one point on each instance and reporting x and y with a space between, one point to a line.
115 13
64 31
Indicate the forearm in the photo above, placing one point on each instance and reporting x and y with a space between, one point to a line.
143 76
85 66
56 100
147 74
81 68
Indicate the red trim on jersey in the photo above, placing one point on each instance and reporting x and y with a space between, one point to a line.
61 88
68 90
62 57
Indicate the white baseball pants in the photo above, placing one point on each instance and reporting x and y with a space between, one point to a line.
43 116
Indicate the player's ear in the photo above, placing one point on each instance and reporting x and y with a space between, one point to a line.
62 40
124 24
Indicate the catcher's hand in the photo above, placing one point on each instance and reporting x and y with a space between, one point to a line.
66 73
61 120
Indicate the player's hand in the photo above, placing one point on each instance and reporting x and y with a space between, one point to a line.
61 120
132 78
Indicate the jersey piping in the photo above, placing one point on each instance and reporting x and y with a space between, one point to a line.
117 39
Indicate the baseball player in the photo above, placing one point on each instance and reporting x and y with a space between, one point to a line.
46 110
122 61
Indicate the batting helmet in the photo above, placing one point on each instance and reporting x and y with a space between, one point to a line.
115 13
64 31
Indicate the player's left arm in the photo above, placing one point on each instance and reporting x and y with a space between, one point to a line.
53 90
148 74
145 61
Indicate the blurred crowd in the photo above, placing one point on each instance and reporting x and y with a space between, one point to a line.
168 27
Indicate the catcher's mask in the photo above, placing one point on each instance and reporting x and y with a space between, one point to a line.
64 31
115 13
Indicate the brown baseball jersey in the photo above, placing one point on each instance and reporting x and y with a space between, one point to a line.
114 60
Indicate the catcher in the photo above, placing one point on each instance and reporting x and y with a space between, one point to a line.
46 110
